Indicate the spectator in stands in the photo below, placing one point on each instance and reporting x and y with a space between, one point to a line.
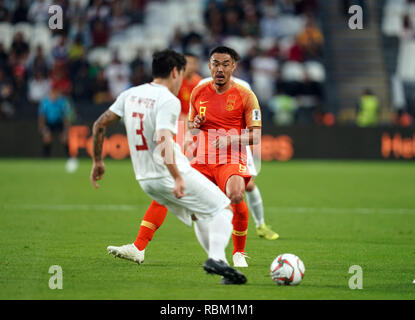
20 47
60 79
81 81
368 109
296 52
118 75
80 28
98 11
250 25
100 34
38 62
6 95
193 43
264 70
309 95
53 118
214 20
140 75
269 8
39 87
20 13
307 6
269 24
136 9
38 11
76 10
283 107
60 50
77 49
3 56
232 24
118 20
20 85
4 13
100 89
311 40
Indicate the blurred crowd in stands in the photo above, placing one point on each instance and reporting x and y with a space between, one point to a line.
105 47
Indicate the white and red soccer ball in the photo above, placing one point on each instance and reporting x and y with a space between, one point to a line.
287 269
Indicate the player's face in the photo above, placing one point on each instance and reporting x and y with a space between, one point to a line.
221 66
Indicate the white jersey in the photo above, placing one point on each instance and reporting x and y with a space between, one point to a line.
145 110
249 157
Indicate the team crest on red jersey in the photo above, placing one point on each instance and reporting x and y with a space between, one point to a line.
230 102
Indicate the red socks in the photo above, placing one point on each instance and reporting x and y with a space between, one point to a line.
152 220
156 214
240 226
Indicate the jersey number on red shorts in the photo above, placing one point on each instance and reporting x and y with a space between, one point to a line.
139 132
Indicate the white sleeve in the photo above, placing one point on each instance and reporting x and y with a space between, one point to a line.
118 106
167 116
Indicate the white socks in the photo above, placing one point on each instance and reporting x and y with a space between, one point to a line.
202 233
215 233
256 206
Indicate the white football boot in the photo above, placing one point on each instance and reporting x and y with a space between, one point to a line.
239 260
128 252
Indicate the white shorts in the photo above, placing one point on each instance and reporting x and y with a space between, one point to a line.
250 164
202 197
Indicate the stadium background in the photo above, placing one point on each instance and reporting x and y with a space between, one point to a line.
307 67
331 213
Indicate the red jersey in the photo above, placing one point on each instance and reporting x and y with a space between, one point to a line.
186 90
229 113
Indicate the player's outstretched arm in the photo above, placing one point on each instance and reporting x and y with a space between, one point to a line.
98 132
165 140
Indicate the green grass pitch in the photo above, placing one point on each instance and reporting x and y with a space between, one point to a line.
332 214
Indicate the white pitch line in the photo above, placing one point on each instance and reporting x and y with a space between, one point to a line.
70 207
127 207
344 210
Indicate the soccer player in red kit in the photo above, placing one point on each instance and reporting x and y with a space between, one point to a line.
222 110
220 107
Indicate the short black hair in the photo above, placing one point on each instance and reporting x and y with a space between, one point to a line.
222 49
165 61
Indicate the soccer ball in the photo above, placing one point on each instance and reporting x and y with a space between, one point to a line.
287 269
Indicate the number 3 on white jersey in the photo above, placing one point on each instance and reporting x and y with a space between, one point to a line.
139 131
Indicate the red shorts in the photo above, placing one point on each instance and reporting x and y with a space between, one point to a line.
220 173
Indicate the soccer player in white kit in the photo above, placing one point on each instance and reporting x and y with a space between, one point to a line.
150 113
253 196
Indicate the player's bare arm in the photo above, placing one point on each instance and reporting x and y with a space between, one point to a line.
107 119
165 140
251 137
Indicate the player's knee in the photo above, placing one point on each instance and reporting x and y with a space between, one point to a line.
236 197
250 186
